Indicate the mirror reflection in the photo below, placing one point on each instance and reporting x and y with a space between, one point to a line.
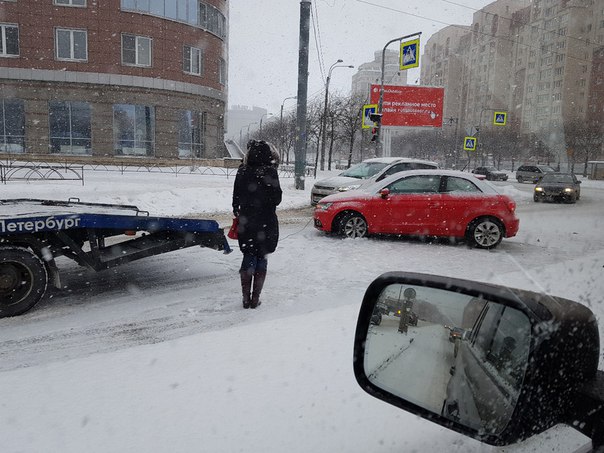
458 356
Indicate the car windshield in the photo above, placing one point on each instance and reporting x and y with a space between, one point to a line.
490 169
149 127
549 178
364 170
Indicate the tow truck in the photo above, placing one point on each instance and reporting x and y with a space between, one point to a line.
33 233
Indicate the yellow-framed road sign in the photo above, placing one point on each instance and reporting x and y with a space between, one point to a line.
368 109
409 56
469 143
500 118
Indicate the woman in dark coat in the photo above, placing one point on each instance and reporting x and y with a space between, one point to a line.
256 195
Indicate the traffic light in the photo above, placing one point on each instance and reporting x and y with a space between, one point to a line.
374 133
376 117
377 121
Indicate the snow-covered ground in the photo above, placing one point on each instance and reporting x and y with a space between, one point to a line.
158 355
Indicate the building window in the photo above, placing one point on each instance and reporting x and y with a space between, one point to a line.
192 60
192 12
71 44
70 131
71 2
136 50
12 126
133 130
212 20
191 134
9 40
222 76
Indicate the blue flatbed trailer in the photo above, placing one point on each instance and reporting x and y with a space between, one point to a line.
35 232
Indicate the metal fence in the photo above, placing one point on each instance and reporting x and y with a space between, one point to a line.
18 168
36 172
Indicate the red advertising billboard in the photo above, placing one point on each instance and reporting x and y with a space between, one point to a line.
410 105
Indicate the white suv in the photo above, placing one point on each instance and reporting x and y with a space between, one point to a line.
367 172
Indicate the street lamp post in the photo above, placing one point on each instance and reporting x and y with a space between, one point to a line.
264 115
381 101
324 125
455 121
281 134
248 129
479 147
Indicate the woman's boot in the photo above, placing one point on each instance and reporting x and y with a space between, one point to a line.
246 287
259 278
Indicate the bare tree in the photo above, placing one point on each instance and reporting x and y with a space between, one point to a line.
583 141
313 128
350 122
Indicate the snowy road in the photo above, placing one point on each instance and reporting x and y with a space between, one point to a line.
196 290
304 329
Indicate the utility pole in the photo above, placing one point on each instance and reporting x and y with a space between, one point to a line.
300 149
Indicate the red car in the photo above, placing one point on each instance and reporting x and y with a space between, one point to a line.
422 203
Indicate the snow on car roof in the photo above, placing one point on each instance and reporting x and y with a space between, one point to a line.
483 185
391 160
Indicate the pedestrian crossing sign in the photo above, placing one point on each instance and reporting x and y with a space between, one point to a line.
469 143
409 54
368 110
500 118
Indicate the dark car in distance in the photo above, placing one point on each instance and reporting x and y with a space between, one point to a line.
558 187
491 173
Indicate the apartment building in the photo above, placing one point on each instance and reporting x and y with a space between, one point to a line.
541 61
443 63
370 73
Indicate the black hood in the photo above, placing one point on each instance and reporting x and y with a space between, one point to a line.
259 153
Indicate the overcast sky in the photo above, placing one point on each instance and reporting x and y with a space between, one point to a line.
264 39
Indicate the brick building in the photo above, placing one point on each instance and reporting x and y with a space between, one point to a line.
113 78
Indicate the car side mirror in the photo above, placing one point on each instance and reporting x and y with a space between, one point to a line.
578 181
494 363
384 193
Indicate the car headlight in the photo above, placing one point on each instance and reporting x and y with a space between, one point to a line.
538 189
324 206
345 188
568 190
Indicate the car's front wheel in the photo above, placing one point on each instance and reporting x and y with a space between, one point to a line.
520 179
485 233
353 225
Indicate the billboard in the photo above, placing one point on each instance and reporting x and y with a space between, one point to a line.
410 105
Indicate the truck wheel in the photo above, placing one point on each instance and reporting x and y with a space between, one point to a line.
23 280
